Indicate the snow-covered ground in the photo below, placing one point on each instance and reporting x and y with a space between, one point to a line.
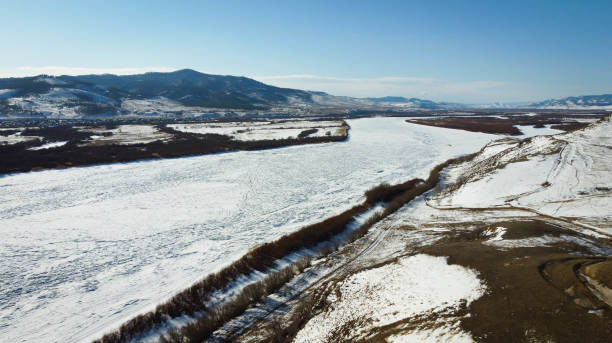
126 135
530 131
413 286
509 182
577 107
6 93
567 175
16 138
58 102
154 106
49 145
265 130
84 249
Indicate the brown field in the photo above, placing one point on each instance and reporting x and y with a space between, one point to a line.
495 125
535 293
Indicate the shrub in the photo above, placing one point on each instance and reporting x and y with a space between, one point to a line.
307 133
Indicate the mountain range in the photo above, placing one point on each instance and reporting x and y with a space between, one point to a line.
190 93
603 101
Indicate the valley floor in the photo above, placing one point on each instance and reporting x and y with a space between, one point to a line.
85 249
514 245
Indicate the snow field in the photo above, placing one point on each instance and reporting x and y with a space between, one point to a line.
16 138
127 134
264 130
414 285
566 174
49 145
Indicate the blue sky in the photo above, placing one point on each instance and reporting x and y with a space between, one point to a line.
469 51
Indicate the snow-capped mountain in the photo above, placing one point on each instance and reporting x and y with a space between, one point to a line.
190 93
400 101
179 93
603 101
150 93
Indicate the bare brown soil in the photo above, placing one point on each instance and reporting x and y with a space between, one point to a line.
534 293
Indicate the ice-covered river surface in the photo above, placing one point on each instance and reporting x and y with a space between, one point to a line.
84 249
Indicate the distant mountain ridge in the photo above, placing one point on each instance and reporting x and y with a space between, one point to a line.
389 99
183 92
187 92
108 94
407 102
603 101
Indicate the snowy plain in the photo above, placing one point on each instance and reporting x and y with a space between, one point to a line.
413 286
264 130
126 135
565 174
85 249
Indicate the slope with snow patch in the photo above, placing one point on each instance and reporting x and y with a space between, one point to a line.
568 175
374 298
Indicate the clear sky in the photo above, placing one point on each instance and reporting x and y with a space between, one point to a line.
468 51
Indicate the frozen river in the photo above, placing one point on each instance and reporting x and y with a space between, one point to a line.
84 249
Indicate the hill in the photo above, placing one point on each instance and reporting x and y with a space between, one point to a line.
179 92
603 101
176 94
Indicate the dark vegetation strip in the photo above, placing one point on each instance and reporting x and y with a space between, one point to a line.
194 300
211 320
486 125
307 133
17 157
503 126
262 258
570 126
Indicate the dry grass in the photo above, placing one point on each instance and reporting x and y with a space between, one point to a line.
217 316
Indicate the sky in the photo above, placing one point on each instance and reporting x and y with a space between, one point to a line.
459 51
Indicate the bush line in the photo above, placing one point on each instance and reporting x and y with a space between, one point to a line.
261 258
